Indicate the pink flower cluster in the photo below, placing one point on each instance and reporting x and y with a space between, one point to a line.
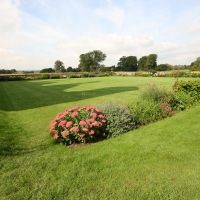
78 124
167 110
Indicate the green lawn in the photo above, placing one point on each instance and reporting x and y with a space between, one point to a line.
159 161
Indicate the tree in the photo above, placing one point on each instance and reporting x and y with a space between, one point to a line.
195 66
7 71
91 61
164 67
151 62
69 69
47 70
142 63
59 66
128 63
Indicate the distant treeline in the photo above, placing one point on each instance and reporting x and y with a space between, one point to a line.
7 71
92 62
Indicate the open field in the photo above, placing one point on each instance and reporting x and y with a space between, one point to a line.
159 161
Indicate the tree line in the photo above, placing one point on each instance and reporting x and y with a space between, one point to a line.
92 61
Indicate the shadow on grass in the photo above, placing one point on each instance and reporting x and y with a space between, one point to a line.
27 95
12 139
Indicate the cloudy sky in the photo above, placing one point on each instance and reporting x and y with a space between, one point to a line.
36 33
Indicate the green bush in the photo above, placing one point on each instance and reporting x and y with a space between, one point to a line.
191 88
145 112
119 119
74 76
55 76
12 78
181 100
45 76
85 74
156 94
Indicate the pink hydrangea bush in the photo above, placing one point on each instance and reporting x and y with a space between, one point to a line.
76 125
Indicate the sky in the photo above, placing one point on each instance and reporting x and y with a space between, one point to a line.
36 33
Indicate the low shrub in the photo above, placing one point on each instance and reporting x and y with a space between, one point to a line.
74 76
55 76
167 110
85 74
119 119
76 125
180 101
45 76
145 112
155 94
189 87
12 78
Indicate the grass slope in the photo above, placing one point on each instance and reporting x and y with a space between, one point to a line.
159 161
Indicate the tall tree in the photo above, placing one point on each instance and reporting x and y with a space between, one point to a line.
47 70
59 66
128 63
151 62
91 61
195 66
142 63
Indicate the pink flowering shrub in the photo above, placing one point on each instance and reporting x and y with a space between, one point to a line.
166 110
76 125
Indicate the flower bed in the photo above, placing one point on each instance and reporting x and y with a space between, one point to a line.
78 125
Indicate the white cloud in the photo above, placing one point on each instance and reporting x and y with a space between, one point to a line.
193 28
34 40
9 16
111 13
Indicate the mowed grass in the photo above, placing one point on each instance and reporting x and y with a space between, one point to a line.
159 161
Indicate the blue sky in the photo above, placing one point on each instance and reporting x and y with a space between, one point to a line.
36 33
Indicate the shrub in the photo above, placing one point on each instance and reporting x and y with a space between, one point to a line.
145 112
76 125
55 76
119 119
189 87
155 94
85 74
74 76
180 101
167 110
12 78
45 76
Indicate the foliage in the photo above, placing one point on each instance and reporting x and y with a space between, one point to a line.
145 112
156 94
12 78
59 66
74 76
91 61
195 66
47 70
167 110
55 76
76 125
7 71
143 74
189 87
45 76
142 63
180 101
164 67
186 94
151 63
128 63
85 74
119 119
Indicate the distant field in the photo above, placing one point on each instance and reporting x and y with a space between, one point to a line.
159 161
